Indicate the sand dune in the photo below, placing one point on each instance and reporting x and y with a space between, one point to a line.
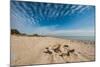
46 50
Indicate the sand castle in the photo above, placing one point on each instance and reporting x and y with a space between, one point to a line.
60 50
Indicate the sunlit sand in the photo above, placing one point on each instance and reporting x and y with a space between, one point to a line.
46 50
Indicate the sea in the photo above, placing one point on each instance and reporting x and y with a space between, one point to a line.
86 38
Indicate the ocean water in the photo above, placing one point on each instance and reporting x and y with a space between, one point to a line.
89 38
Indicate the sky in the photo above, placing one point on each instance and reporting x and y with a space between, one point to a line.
53 19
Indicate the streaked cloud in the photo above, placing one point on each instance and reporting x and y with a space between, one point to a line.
47 18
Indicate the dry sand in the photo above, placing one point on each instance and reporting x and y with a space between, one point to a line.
32 50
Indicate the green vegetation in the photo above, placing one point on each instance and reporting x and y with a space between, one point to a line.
16 32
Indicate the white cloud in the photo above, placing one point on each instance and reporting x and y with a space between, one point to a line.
73 32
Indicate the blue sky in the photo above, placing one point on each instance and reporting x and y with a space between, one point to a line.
53 19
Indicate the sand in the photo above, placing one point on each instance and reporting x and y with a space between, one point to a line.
40 50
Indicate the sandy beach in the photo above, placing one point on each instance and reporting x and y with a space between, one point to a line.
46 50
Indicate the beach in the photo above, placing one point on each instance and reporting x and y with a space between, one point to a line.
32 50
